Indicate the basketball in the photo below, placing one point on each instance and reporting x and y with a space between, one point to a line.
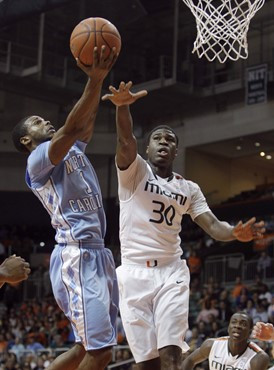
93 32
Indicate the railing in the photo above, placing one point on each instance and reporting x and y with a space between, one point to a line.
116 363
226 268
54 352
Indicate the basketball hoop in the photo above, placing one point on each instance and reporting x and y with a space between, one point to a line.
222 27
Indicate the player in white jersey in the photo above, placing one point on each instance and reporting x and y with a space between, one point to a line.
82 270
153 279
263 331
234 352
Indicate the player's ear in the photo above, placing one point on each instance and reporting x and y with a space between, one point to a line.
25 140
147 150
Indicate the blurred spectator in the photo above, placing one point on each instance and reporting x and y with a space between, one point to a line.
121 336
57 342
33 344
263 263
224 312
241 300
270 312
195 264
260 313
208 308
250 308
18 348
9 362
265 294
238 286
40 364
3 343
195 339
214 328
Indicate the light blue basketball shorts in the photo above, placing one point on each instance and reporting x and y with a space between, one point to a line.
85 287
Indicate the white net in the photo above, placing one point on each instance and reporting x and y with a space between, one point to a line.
222 27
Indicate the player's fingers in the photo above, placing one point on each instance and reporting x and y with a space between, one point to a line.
140 94
259 224
129 85
20 258
249 222
27 271
238 226
106 97
80 65
122 86
102 53
113 90
96 56
112 57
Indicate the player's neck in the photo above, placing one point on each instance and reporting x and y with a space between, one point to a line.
237 349
164 172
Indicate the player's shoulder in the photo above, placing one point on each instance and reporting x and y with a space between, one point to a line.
40 151
261 359
254 347
206 346
219 341
193 186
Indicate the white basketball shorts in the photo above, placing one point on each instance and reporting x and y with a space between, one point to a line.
154 307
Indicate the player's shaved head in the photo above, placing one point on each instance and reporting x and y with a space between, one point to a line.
19 131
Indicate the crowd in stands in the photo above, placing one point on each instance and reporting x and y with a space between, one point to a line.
33 333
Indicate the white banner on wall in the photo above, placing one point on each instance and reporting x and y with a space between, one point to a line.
256 84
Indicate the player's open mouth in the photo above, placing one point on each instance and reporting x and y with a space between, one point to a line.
236 334
163 152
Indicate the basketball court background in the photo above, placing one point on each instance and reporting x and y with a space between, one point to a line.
223 113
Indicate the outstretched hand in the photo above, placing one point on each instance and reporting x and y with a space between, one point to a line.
101 65
123 96
249 230
14 269
263 331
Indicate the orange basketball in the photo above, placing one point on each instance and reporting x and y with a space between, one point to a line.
93 32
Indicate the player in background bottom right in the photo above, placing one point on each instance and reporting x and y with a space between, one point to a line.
232 352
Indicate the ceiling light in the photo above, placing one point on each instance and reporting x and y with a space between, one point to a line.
268 156
257 144
262 154
238 147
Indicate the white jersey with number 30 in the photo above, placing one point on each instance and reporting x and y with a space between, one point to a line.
151 211
220 358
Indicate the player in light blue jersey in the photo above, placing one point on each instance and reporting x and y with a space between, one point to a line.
82 270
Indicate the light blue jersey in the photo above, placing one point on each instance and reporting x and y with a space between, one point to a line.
82 271
70 192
